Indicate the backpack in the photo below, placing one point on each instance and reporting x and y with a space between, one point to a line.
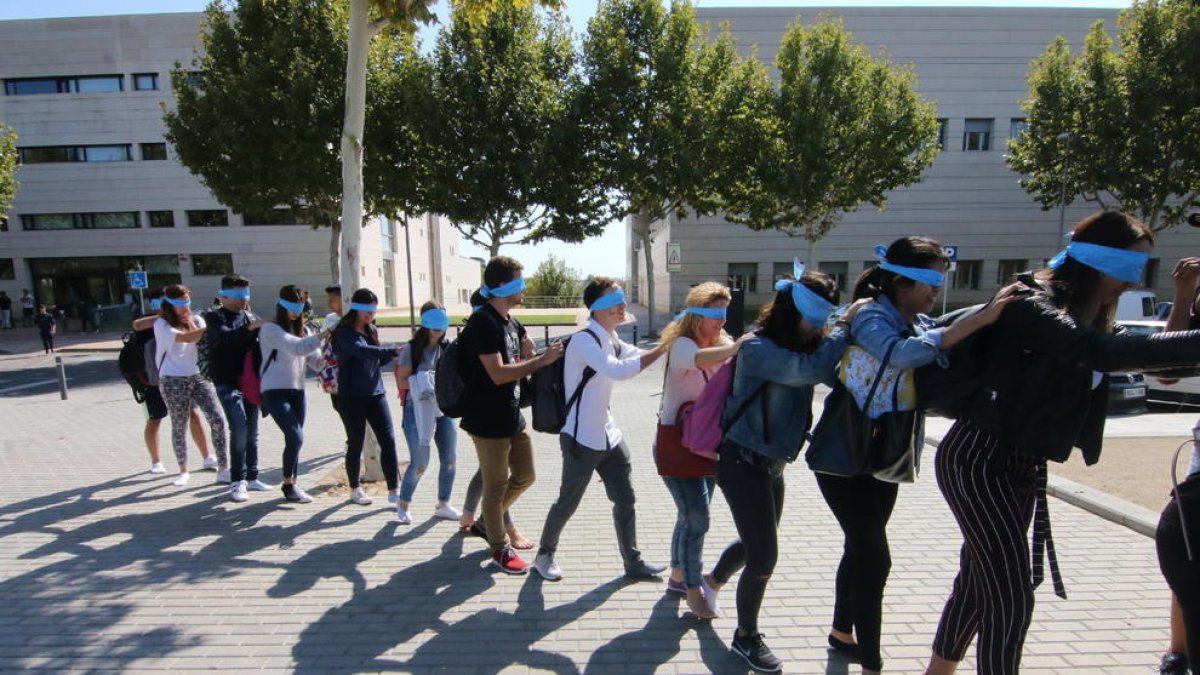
450 384
204 349
253 368
131 362
703 428
548 388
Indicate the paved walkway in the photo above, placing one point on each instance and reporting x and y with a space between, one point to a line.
105 567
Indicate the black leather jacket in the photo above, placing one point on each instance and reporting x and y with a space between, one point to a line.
1037 394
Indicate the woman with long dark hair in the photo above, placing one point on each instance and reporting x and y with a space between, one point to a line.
361 397
766 417
904 286
1042 393
287 347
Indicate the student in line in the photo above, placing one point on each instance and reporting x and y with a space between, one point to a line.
423 423
176 333
1042 392
362 399
697 346
767 416
287 347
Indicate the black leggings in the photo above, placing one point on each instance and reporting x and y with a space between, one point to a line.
862 506
754 491
1183 575
357 412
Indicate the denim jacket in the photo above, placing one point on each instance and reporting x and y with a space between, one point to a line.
879 324
775 425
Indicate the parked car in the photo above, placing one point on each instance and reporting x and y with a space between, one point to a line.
1137 306
1161 390
1126 393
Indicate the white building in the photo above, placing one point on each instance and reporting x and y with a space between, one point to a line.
102 193
973 63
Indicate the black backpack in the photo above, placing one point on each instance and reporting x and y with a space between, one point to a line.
548 388
131 361
450 384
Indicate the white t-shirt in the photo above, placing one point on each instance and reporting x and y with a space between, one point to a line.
684 380
176 359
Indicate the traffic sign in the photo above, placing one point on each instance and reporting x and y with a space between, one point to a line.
951 252
137 280
674 257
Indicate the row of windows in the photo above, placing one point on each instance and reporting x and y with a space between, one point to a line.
79 84
203 264
131 220
49 154
977 132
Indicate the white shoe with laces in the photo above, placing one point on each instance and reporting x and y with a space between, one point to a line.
360 497
237 491
182 479
446 512
210 463
223 476
157 467
258 486
402 516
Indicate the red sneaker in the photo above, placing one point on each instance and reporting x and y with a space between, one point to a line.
508 561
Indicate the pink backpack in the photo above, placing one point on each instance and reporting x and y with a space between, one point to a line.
702 429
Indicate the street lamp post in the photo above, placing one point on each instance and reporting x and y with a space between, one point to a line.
412 310
1065 137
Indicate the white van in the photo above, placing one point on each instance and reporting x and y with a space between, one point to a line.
1137 306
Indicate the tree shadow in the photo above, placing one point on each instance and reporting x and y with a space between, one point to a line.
656 643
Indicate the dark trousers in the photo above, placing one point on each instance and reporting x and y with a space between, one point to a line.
242 416
578 465
47 341
287 407
1182 575
862 506
754 491
357 412
991 493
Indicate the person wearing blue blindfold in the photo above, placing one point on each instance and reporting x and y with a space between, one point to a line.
1042 392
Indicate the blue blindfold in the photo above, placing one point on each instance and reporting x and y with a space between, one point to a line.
297 307
435 319
155 304
362 307
1118 263
706 312
179 303
235 293
511 288
922 275
613 299
812 307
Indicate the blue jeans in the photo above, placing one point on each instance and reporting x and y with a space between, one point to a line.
692 497
242 417
287 408
445 436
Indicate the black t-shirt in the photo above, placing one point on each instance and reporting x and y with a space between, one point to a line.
491 411
5 302
44 322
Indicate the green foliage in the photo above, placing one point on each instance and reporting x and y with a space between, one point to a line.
554 278
842 130
8 168
1118 128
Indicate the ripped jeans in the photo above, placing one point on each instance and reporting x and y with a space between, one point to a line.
445 436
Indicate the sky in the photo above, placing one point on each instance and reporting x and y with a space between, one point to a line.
604 254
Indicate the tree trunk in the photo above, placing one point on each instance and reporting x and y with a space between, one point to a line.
335 249
810 263
641 226
352 145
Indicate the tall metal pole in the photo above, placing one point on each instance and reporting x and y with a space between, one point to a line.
1062 194
412 303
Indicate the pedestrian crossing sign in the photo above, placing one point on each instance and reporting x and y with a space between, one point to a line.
674 257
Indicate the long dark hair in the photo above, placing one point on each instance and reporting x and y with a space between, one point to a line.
779 320
1079 283
291 293
366 297
921 252
420 339
166 310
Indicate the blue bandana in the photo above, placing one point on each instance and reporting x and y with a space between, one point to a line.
505 290
812 307
706 312
235 293
476 308
1118 263
297 307
921 275
155 304
179 303
362 307
435 319
613 299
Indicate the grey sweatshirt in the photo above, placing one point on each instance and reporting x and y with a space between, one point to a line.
292 353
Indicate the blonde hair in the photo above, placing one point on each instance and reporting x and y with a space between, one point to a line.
701 295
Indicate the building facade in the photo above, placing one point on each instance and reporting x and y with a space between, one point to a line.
973 62
102 193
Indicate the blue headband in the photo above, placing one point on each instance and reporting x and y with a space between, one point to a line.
812 307
155 304
363 307
922 275
435 319
476 308
706 312
235 293
1117 263
504 290
613 299
297 307
179 303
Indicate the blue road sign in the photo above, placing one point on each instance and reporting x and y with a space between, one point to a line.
138 280
951 252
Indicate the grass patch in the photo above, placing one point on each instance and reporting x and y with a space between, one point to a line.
527 320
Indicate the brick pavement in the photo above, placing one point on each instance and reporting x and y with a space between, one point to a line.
105 567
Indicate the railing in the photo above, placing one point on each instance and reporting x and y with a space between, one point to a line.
553 301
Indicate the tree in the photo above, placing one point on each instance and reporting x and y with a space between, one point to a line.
8 169
554 279
1119 129
842 129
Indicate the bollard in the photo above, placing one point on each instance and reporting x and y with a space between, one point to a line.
635 341
62 377
546 339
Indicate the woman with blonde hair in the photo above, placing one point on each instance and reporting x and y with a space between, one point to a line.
697 345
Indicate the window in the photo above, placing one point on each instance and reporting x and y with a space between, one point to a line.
217 218
943 124
781 270
966 276
154 151
1015 126
838 270
1009 269
75 153
464 295
387 233
7 271
745 276
83 84
977 135
81 221
212 264
145 81
161 218
272 217
1151 273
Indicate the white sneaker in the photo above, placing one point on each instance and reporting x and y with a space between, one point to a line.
360 497
545 566
710 596
157 467
393 497
237 492
182 479
402 516
302 496
210 463
258 486
446 512
223 476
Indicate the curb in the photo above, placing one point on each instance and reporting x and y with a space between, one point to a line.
1113 509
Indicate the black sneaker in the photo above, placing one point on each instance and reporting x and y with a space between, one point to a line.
754 649
1173 663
